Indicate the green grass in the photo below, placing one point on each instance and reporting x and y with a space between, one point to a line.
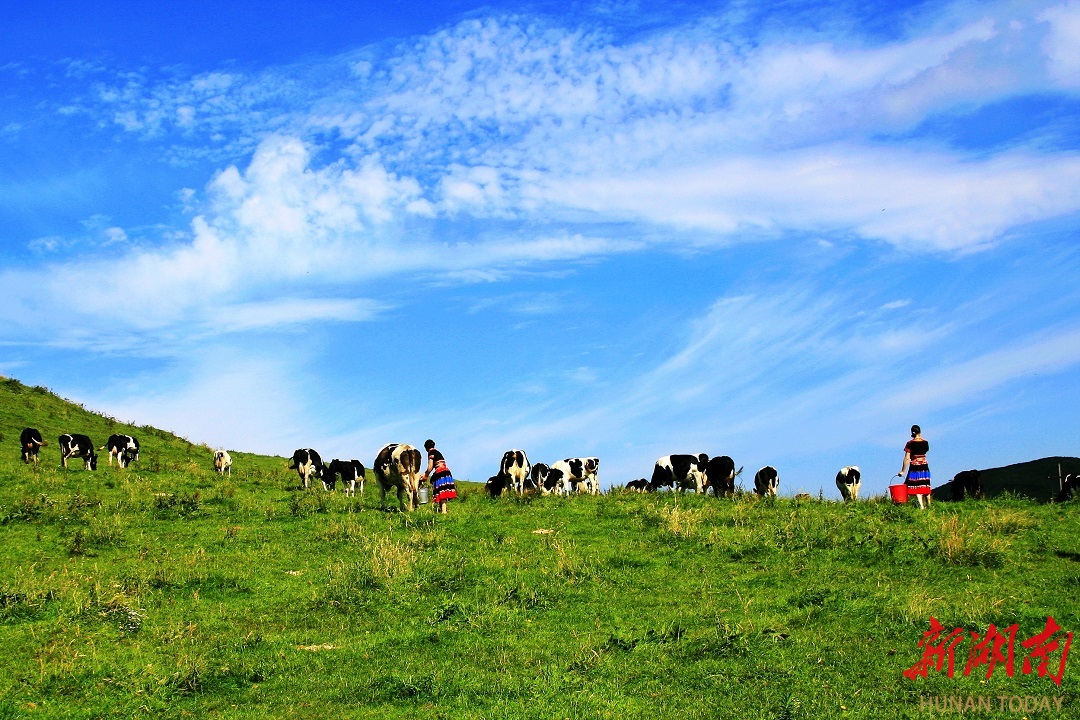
163 590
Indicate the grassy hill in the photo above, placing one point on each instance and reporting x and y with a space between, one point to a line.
163 590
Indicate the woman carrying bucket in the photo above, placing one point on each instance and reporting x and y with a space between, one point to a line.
442 482
918 472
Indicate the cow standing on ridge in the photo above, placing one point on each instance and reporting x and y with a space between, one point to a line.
848 481
680 471
766 481
720 475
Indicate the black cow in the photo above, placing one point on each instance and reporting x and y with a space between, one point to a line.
1069 489
307 464
350 472
967 482
720 475
766 481
31 442
682 471
73 445
497 484
641 485
124 447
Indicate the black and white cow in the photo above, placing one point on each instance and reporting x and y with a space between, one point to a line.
74 445
31 441
766 481
398 466
848 481
351 472
307 464
1069 489
515 467
223 462
124 447
966 482
680 471
720 475
496 485
547 479
578 475
641 485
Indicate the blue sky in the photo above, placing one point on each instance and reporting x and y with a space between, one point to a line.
779 231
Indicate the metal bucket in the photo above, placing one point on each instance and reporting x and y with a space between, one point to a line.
423 496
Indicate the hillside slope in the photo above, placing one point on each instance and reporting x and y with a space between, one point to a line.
22 406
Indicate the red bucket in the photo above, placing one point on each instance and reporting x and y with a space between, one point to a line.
898 493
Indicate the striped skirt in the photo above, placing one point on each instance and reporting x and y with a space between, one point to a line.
442 483
918 479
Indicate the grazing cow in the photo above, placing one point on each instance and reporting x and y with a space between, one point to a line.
966 482
641 486
124 447
74 445
766 480
681 471
350 472
31 442
307 464
398 466
515 467
1069 489
720 475
578 474
223 462
497 484
848 481
547 479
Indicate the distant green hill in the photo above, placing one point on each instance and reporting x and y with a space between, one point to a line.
1035 479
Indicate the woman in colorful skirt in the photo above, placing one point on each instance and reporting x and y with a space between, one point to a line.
442 482
918 472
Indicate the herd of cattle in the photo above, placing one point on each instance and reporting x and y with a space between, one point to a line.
397 468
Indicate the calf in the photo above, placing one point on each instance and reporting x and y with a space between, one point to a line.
124 447
766 481
73 445
398 466
848 481
307 464
350 472
223 462
31 442
720 475
966 482
515 468
641 485
578 474
681 471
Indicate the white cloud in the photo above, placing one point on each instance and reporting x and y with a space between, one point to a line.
1062 41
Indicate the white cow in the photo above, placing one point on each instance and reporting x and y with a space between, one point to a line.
398 466
223 462
848 481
